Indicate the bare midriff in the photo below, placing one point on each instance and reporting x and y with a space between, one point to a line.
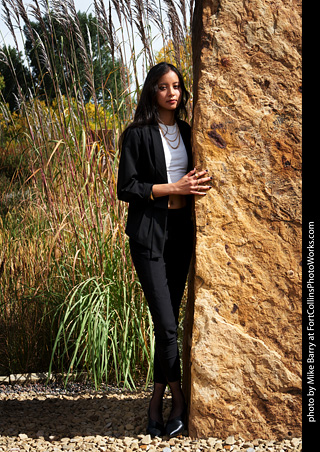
177 201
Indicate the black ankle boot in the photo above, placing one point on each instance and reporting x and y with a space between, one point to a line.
176 425
154 428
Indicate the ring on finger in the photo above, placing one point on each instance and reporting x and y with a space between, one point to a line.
197 175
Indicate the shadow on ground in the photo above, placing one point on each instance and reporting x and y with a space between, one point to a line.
79 415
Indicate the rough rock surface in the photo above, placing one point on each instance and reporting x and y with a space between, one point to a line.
245 345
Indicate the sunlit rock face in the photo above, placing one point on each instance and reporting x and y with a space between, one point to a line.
243 329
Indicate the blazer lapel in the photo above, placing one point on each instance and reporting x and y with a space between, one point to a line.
159 159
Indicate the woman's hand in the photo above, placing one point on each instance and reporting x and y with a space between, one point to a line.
193 183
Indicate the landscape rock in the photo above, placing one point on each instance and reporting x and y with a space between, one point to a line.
243 326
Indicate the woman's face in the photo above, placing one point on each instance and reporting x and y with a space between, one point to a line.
169 92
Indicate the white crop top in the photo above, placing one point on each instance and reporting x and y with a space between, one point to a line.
174 151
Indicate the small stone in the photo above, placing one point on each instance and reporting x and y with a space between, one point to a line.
127 441
250 449
230 440
23 436
146 440
166 449
295 442
211 442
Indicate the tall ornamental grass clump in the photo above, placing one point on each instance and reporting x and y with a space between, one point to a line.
70 301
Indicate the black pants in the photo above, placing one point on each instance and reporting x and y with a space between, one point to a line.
163 282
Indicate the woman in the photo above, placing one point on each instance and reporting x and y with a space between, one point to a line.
156 179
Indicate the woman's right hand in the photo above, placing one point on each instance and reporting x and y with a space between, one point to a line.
193 183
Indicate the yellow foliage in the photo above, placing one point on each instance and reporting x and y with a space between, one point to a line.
37 118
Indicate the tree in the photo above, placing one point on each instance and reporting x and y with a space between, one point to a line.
15 76
74 57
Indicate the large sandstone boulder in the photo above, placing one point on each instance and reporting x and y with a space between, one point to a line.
243 326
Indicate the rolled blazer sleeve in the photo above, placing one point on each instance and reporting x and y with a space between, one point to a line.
130 187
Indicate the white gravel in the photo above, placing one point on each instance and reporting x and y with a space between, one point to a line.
53 419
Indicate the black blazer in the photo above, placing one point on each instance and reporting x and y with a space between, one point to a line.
142 164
